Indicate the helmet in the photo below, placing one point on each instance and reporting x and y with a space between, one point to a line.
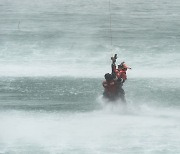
121 65
108 76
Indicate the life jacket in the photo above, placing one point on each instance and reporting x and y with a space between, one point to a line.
110 87
123 75
123 72
118 73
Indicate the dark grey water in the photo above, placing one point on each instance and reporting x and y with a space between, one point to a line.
61 94
80 94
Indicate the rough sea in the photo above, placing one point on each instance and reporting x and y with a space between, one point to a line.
53 57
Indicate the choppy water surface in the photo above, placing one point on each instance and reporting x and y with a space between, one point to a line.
53 56
68 115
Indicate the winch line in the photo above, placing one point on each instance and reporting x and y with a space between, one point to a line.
110 28
110 25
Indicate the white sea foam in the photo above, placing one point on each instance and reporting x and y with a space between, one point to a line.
72 38
145 129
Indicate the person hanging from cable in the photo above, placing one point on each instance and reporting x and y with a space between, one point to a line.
113 83
113 66
112 89
115 72
117 75
121 71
